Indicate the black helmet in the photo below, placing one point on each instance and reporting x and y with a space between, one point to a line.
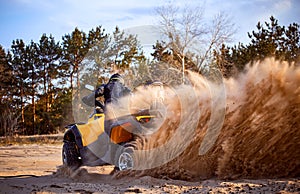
117 77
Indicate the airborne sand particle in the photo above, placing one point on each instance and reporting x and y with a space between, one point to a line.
260 136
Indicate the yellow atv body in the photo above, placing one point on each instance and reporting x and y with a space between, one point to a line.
95 143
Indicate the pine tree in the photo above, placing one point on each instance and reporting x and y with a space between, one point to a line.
20 73
117 52
7 109
49 55
291 45
6 78
125 50
32 82
75 47
270 40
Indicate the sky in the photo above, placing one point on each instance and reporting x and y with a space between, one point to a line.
29 19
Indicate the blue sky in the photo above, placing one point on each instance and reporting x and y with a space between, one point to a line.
29 19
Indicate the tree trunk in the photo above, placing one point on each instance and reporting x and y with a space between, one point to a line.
33 109
183 68
22 112
71 81
45 87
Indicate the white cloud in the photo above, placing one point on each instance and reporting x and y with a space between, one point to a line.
282 6
91 13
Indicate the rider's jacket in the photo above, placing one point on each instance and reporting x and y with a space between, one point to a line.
111 91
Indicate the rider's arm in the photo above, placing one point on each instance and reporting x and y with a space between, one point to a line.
99 91
90 100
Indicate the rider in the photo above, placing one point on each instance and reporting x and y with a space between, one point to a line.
111 91
114 89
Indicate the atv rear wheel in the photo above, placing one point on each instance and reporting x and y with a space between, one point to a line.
71 156
124 159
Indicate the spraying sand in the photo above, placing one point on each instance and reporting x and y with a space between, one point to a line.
259 136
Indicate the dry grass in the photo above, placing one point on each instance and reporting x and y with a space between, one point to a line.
34 139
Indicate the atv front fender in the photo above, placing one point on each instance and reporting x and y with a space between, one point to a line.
72 135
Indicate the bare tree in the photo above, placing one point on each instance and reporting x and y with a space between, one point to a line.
220 31
188 35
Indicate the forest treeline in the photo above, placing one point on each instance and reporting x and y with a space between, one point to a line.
37 80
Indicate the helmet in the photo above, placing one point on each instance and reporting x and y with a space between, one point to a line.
116 77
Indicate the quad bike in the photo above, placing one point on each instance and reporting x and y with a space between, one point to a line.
90 144
105 142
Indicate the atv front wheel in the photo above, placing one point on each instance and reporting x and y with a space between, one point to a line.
124 158
71 156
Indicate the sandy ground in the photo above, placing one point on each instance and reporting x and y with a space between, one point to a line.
37 169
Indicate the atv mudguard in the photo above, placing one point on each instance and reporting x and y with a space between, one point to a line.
89 138
72 135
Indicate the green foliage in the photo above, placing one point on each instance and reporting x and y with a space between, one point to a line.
125 49
75 47
8 122
6 77
117 52
270 40
37 80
